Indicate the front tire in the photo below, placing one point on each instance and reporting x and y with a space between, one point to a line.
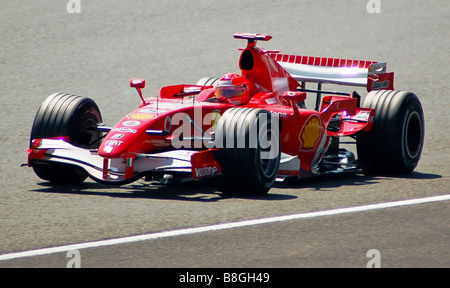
66 115
250 156
395 142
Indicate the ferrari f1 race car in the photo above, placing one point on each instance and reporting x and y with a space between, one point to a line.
247 130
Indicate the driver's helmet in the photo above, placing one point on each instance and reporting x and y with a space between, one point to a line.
235 88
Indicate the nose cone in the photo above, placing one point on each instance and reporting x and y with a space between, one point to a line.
113 148
124 134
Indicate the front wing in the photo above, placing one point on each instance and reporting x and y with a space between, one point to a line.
118 171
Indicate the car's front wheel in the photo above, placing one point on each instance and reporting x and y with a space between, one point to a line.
250 146
66 115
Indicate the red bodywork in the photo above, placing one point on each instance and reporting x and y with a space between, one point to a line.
157 130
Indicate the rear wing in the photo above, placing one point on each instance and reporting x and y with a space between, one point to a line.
369 74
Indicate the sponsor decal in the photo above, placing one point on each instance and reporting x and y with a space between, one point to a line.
108 149
310 133
279 114
362 116
168 124
380 85
206 171
204 165
117 136
125 130
109 144
142 116
113 142
131 123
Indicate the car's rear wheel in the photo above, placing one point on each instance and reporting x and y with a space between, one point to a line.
66 115
250 155
395 142
208 81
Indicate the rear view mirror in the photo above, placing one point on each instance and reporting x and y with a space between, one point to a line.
137 83
294 96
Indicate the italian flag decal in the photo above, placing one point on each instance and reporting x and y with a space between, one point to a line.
129 167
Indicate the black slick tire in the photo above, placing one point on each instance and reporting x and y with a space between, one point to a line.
249 166
66 115
395 142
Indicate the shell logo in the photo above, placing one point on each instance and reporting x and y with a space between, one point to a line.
310 133
215 118
141 116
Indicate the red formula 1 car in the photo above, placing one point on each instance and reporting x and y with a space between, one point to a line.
246 129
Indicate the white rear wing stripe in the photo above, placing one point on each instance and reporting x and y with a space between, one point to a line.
353 76
321 61
329 70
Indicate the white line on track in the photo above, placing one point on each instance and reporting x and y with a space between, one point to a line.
245 223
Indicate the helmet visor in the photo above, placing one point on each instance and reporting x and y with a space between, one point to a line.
230 91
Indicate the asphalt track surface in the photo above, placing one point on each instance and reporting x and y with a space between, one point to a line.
44 49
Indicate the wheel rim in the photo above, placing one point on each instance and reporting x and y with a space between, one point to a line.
87 137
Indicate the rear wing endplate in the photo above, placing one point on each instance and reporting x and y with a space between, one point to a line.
369 74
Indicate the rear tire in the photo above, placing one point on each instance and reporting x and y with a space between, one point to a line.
395 142
250 166
66 115
208 81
